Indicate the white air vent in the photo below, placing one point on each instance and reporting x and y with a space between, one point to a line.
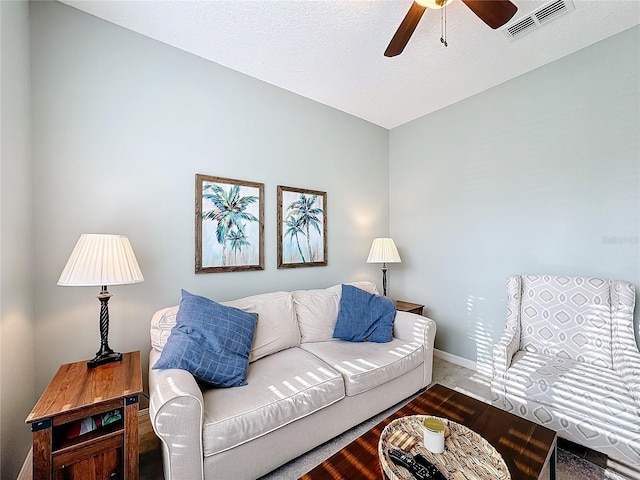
537 18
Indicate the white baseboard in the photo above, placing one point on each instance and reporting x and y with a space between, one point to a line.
450 357
143 415
25 471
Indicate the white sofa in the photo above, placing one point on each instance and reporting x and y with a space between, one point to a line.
304 387
569 361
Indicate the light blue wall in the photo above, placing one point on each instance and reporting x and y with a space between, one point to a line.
122 124
538 175
17 364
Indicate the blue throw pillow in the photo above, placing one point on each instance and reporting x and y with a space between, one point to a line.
364 317
211 341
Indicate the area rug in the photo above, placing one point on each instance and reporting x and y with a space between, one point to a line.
574 462
569 465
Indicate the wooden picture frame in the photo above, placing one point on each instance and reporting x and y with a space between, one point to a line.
302 227
229 225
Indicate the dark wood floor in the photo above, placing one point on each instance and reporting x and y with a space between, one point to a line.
150 461
151 465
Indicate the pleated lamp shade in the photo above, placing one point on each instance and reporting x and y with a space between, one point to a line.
383 250
101 260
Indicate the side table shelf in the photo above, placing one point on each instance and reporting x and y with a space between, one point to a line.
107 393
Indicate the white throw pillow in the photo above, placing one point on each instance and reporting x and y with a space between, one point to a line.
161 324
277 328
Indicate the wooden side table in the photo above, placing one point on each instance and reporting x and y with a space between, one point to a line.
76 393
409 307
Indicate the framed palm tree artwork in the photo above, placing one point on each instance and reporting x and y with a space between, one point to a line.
229 225
302 228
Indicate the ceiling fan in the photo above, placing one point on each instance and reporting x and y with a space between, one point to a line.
494 13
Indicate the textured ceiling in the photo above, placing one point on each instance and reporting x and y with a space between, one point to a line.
332 51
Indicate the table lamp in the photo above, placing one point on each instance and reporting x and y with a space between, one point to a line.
101 260
384 251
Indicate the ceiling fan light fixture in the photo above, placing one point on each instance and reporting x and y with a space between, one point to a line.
495 13
434 4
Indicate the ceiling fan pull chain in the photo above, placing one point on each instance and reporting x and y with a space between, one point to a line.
443 26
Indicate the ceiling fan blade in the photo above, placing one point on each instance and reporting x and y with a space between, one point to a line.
494 13
405 30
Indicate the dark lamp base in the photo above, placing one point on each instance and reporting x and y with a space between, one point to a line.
104 357
105 354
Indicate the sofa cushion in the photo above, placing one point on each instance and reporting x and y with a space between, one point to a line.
282 388
591 391
277 324
364 366
210 341
317 310
364 316
277 327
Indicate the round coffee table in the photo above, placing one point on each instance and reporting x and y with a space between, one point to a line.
466 456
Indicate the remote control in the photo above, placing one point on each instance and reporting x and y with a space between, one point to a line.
407 461
433 470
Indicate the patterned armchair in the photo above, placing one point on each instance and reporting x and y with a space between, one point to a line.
568 360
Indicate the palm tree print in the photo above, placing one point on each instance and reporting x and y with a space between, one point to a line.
303 215
229 213
294 228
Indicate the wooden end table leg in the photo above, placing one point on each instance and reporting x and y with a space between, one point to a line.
131 437
42 444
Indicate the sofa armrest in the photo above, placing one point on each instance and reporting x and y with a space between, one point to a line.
509 342
626 357
176 413
628 366
504 350
417 329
